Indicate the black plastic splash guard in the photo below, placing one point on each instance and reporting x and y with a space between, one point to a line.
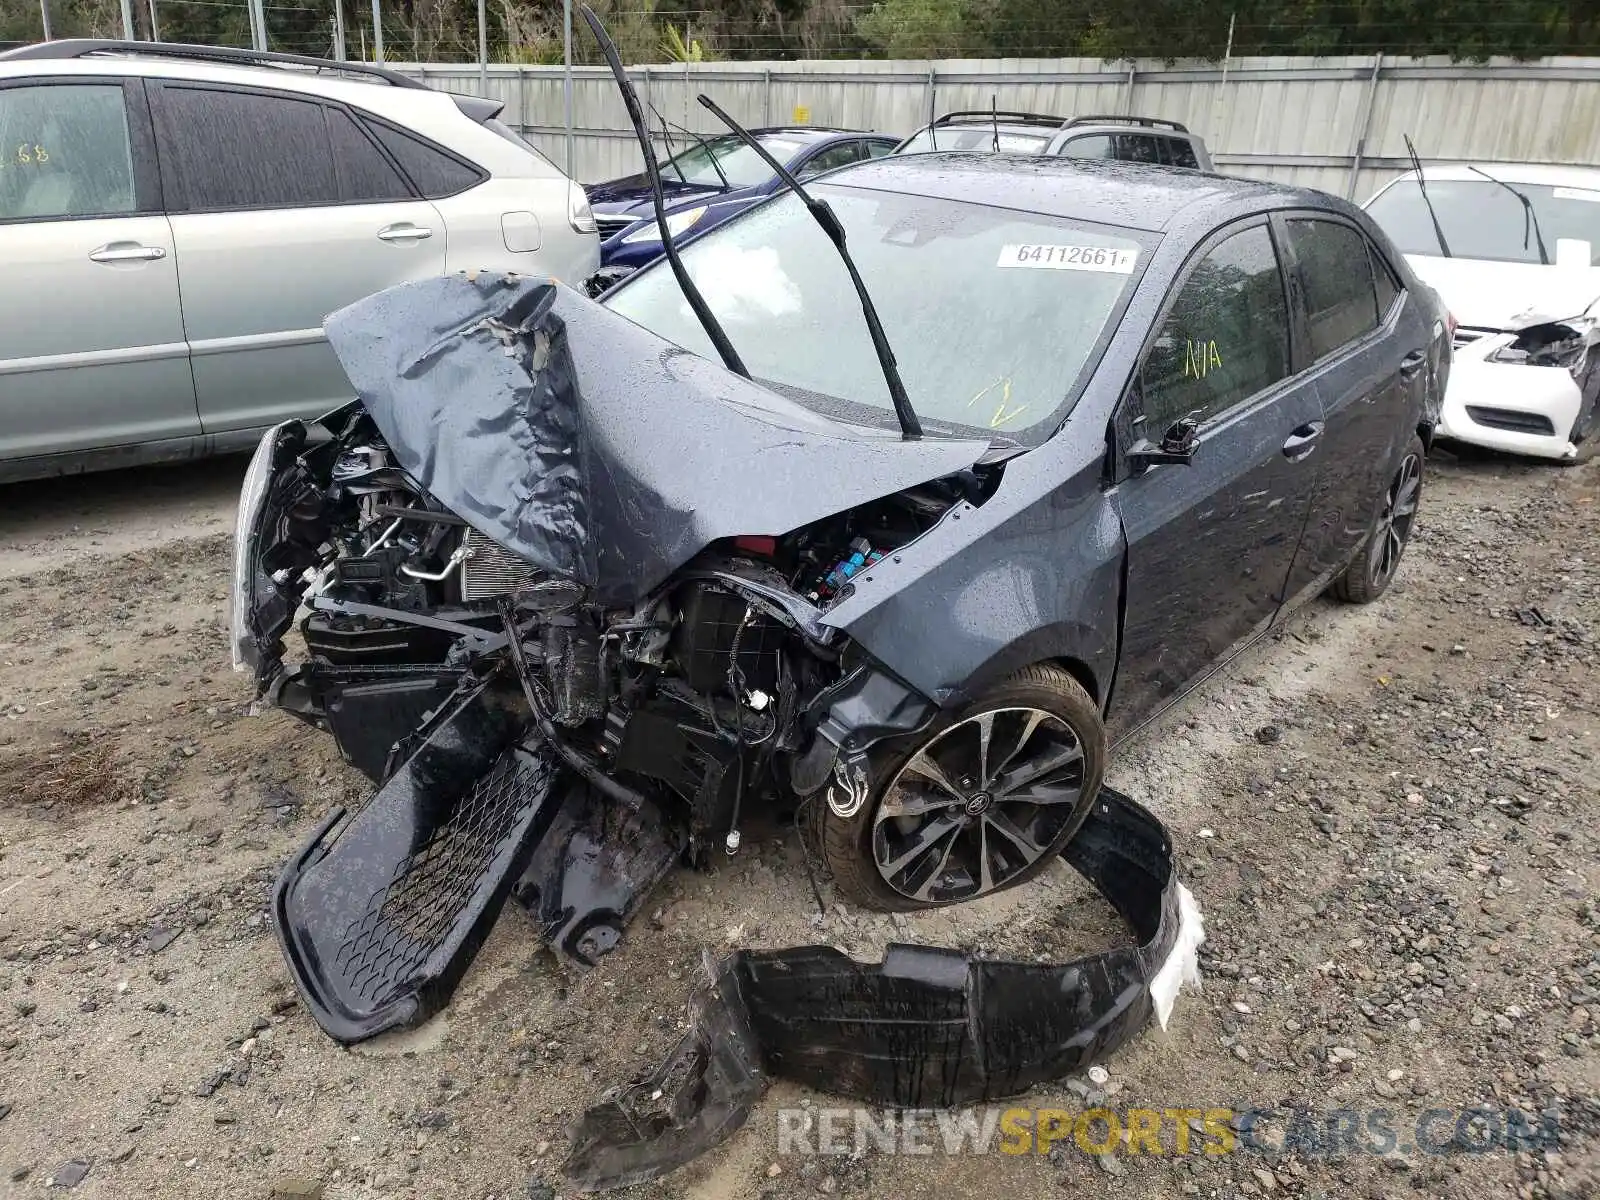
381 917
926 1027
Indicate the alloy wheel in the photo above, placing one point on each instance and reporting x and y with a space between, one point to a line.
1393 529
980 802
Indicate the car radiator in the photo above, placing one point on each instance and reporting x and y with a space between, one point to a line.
490 570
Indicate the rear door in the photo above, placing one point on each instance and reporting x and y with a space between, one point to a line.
1363 369
1211 541
92 351
283 209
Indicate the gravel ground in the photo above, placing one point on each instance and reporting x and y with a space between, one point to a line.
1388 815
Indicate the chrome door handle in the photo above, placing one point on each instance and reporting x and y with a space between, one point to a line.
1302 441
1412 363
404 233
126 252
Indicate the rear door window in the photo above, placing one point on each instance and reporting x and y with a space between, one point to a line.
435 173
364 173
1384 278
1137 147
238 150
1181 151
1336 274
1225 338
65 151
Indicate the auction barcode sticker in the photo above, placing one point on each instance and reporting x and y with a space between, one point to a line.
1069 258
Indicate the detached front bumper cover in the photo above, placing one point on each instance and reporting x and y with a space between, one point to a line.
926 1027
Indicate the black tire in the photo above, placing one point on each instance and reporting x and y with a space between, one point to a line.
1373 570
852 845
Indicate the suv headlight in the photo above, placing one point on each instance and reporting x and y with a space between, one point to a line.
678 224
1555 344
579 215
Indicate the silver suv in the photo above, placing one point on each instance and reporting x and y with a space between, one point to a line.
1150 140
176 222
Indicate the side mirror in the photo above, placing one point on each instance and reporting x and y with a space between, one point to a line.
1177 446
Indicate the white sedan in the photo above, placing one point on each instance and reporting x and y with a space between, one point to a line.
1514 250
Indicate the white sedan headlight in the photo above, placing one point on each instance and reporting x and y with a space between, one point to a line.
1553 344
678 224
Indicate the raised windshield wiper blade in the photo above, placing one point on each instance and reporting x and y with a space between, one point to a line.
1422 186
1529 217
630 100
699 141
672 151
910 427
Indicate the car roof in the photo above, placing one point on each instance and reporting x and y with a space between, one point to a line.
1549 174
1126 195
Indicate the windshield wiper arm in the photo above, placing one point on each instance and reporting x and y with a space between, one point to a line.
672 150
630 100
1422 186
716 165
1529 217
910 427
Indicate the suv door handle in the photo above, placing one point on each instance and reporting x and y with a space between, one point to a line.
126 252
404 232
1412 363
1302 441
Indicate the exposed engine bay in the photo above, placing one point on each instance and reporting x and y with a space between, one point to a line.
695 693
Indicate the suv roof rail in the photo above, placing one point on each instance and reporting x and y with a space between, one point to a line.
962 116
1112 119
69 48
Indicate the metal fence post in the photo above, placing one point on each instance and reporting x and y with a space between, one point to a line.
932 88
1367 105
44 16
377 31
338 30
566 75
483 49
766 96
1127 98
127 20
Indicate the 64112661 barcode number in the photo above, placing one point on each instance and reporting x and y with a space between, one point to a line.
1059 257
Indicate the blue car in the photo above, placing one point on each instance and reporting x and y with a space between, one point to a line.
714 179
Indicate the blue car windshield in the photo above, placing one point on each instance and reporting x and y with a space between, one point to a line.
995 316
742 165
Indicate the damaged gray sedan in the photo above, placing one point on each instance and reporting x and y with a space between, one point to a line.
585 601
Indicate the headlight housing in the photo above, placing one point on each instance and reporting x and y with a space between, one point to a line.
1554 344
678 224
246 535
579 215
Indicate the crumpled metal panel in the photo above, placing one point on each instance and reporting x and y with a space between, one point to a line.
926 1027
591 447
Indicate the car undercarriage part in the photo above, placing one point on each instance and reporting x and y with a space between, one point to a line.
385 908
926 1027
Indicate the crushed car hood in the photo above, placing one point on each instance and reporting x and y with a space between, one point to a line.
1508 296
591 447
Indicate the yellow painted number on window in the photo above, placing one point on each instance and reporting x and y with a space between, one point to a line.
30 154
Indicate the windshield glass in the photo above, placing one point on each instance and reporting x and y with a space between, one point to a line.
976 137
1482 220
993 315
742 165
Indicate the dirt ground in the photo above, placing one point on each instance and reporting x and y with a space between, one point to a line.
1390 817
